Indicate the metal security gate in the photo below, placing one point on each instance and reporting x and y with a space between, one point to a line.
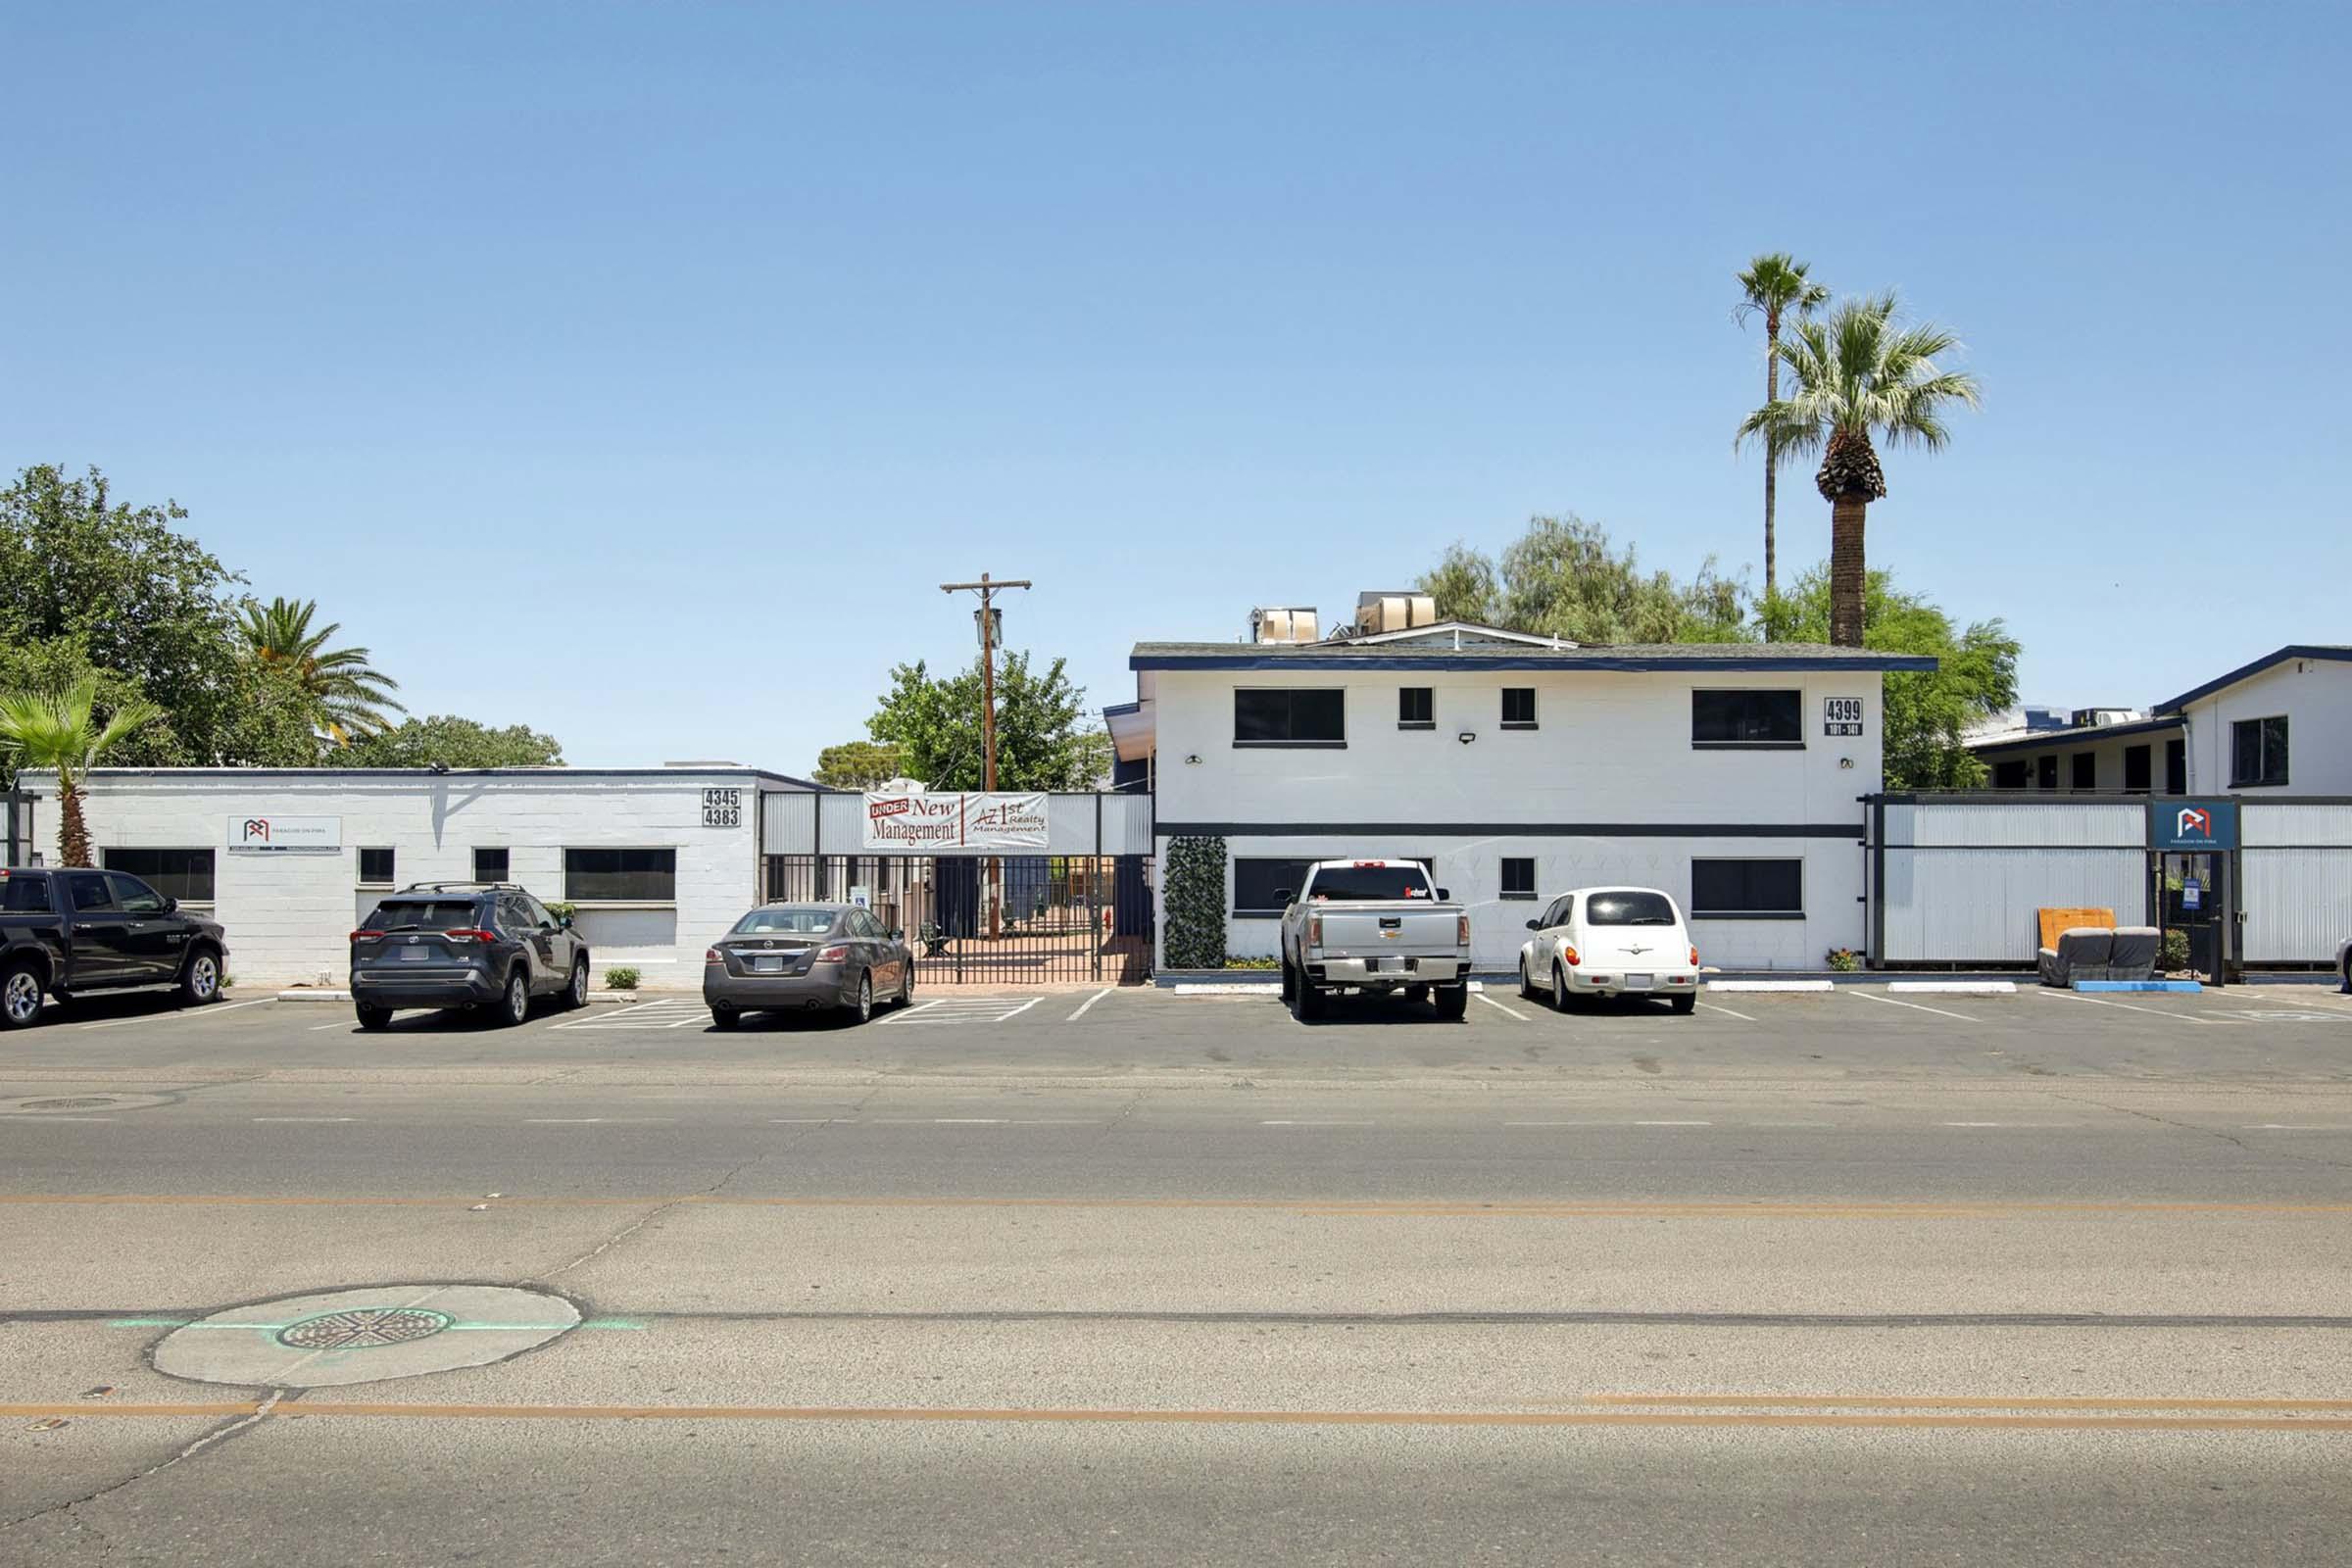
1005 920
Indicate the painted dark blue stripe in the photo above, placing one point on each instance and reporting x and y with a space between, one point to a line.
1627 664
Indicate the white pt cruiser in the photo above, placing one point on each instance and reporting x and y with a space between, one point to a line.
1610 942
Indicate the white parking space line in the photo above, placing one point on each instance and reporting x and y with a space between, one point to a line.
1314 1124
2292 1127
1674 1124
305 1118
339 1023
964 1009
661 1014
1913 1005
1713 1007
2153 1012
1499 1008
1090 1002
588 1121
185 1012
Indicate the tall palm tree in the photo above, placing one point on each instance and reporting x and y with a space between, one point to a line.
350 695
57 728
1858 372
1775 285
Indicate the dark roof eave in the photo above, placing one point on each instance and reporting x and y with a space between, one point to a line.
2077 735
1565 659
2248 671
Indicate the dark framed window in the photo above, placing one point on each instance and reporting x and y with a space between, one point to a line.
490 866
182 874
1311 716
2085 771
1416 708
1747 718
635 876
1258 883
2136 769
2046 772
1518 876
1747 890
2257 753
1518 708
2009 775
376 868
2175 767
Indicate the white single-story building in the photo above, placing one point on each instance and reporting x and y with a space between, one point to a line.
1519 766
657 860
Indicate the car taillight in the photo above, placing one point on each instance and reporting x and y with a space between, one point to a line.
366 936
713 956
1694 958
1570 954
1461 929
471 934
1314 930
834 953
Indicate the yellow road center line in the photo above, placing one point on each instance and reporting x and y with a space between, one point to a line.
335 1410
1897 1401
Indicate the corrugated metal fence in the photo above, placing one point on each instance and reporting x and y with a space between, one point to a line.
2296 871
1958 881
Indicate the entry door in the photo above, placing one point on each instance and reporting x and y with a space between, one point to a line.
2193 897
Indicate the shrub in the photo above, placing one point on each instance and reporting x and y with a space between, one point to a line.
1845 960
620 977
1194 899
1253 963
2172 954
560 909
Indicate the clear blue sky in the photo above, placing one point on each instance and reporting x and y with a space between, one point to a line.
701 344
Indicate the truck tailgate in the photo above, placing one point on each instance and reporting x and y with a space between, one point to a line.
1369 930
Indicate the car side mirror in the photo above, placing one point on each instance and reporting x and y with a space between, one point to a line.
1282 895
171 904
897 935
1445 894
1535 925
564 921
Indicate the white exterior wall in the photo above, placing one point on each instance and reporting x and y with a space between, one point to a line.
1611 749
289 916
2315 694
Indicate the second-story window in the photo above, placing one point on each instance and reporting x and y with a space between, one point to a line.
1518 708
1416 708
1746 718
1309 716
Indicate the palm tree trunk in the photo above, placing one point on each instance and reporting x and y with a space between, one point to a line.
73 832
1772 463
1847 568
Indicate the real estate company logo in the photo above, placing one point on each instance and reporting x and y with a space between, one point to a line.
2194 822
257 827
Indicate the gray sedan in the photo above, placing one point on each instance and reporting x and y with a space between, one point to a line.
803 956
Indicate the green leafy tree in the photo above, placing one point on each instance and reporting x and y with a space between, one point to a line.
858 766
452 742
351 695
1564 578
1926 714
1774 287
59 727
1044 740
1859 372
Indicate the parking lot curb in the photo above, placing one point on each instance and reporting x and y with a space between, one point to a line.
2137 985
1955 988
1769 985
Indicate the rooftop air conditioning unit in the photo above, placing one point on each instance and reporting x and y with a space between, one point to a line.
1295 623
1376 612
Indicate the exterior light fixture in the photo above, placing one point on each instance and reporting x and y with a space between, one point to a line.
1467 736
1193 760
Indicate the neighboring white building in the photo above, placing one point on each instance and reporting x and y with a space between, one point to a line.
1728 775
659 860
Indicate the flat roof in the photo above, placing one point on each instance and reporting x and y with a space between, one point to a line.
2074 734
1727 658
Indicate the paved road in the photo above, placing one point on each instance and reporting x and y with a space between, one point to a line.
1839 1279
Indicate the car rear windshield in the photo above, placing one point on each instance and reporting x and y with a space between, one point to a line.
423 914
1369 882
794 923
24 895
1627 908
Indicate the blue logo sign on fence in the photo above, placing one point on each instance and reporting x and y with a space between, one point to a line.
2193 824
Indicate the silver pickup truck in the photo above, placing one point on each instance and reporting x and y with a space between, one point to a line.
1375 925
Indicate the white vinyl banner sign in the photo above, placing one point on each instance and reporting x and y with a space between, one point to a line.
952 824
285 835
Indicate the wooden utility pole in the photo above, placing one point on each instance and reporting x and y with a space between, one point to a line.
987 589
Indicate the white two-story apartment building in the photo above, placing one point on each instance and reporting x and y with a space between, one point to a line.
1522 766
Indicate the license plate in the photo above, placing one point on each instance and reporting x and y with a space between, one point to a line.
767 966
415 956
1640 982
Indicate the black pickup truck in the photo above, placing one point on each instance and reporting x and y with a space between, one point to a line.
72 932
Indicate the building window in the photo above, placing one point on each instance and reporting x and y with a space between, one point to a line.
2046 772
2085 772
182 874
2175 767
490 866
1260 887
1747 890
2009 775
1746 719
620 876
1316 716
2257 753
1518 708
1518 877
1415 708
376 868
2136 769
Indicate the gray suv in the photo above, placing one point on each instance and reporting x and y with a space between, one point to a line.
486 945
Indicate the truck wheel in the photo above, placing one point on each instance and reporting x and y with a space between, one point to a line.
200 981
1416 993
20 994
1290 981
1454 1000
1310 1001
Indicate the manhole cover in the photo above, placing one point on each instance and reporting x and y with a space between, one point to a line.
369 1325
364 1336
